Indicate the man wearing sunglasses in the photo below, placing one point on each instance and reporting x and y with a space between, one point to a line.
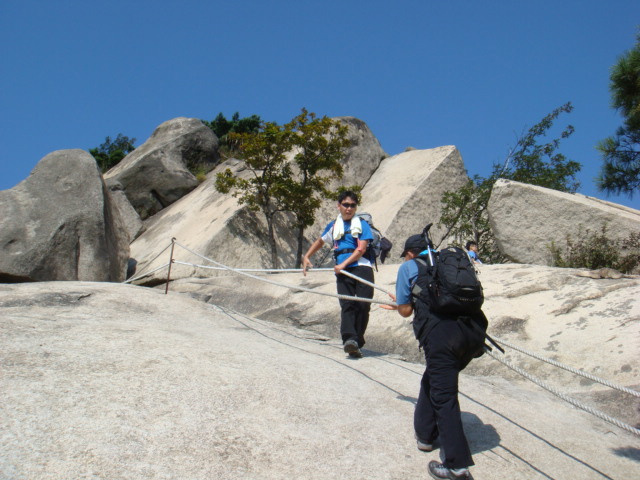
349 236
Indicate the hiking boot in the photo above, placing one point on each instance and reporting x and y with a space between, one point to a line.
351 346
356 354
438 470
424 446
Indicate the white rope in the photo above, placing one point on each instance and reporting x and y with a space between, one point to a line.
362 280
569 369
292 287
538 382
149 263
566 398
146 274
255 270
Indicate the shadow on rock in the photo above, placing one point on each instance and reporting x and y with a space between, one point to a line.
481 437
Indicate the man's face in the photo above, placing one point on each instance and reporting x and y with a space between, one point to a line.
347 208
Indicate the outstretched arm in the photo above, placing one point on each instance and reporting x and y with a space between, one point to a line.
306 263
405 310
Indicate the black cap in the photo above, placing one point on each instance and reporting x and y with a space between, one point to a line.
414 242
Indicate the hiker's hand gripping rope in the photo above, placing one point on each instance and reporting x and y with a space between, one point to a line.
354 257
393 299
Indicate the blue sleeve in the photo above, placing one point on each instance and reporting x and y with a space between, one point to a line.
327 228
407 274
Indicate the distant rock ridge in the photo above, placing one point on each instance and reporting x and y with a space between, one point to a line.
157 198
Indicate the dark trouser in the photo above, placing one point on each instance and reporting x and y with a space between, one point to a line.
437 412
355 315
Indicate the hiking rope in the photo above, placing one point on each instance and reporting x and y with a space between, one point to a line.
520 371
285 270
279 284
146 274
564 397
569 369
265 270
366 282
149 263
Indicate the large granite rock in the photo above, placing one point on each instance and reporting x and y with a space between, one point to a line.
362 158
526 219
214 225
60 224
364 155
132 222
404 193
156 174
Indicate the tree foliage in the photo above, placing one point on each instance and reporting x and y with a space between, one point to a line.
264 154
223 127
320 144
110 152
540 163
277 184
620 172
464 212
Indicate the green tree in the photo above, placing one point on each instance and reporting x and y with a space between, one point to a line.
464 216
110 152
620 172
222 127
264 153
540 163
464 212
320 144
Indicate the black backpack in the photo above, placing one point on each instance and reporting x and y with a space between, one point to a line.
451 284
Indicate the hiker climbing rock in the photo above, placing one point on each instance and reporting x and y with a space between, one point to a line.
472 250
349 236
450 327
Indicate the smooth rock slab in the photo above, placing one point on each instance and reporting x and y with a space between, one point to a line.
114 382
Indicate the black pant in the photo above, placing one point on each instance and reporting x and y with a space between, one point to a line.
437 412
355 315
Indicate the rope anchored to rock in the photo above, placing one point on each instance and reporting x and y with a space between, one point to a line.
297 288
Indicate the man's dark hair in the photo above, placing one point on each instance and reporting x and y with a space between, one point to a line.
349 194
469 243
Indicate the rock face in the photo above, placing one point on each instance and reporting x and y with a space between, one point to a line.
214 225
558 313
526 219
404 193
361 161
131 220
156 174
60 224
111 381
364 155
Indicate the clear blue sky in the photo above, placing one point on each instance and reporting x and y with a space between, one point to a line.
420 73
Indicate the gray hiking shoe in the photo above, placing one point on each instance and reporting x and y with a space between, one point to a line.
439 471
351 347
424 446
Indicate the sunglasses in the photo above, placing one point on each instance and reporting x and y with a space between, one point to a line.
349 205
